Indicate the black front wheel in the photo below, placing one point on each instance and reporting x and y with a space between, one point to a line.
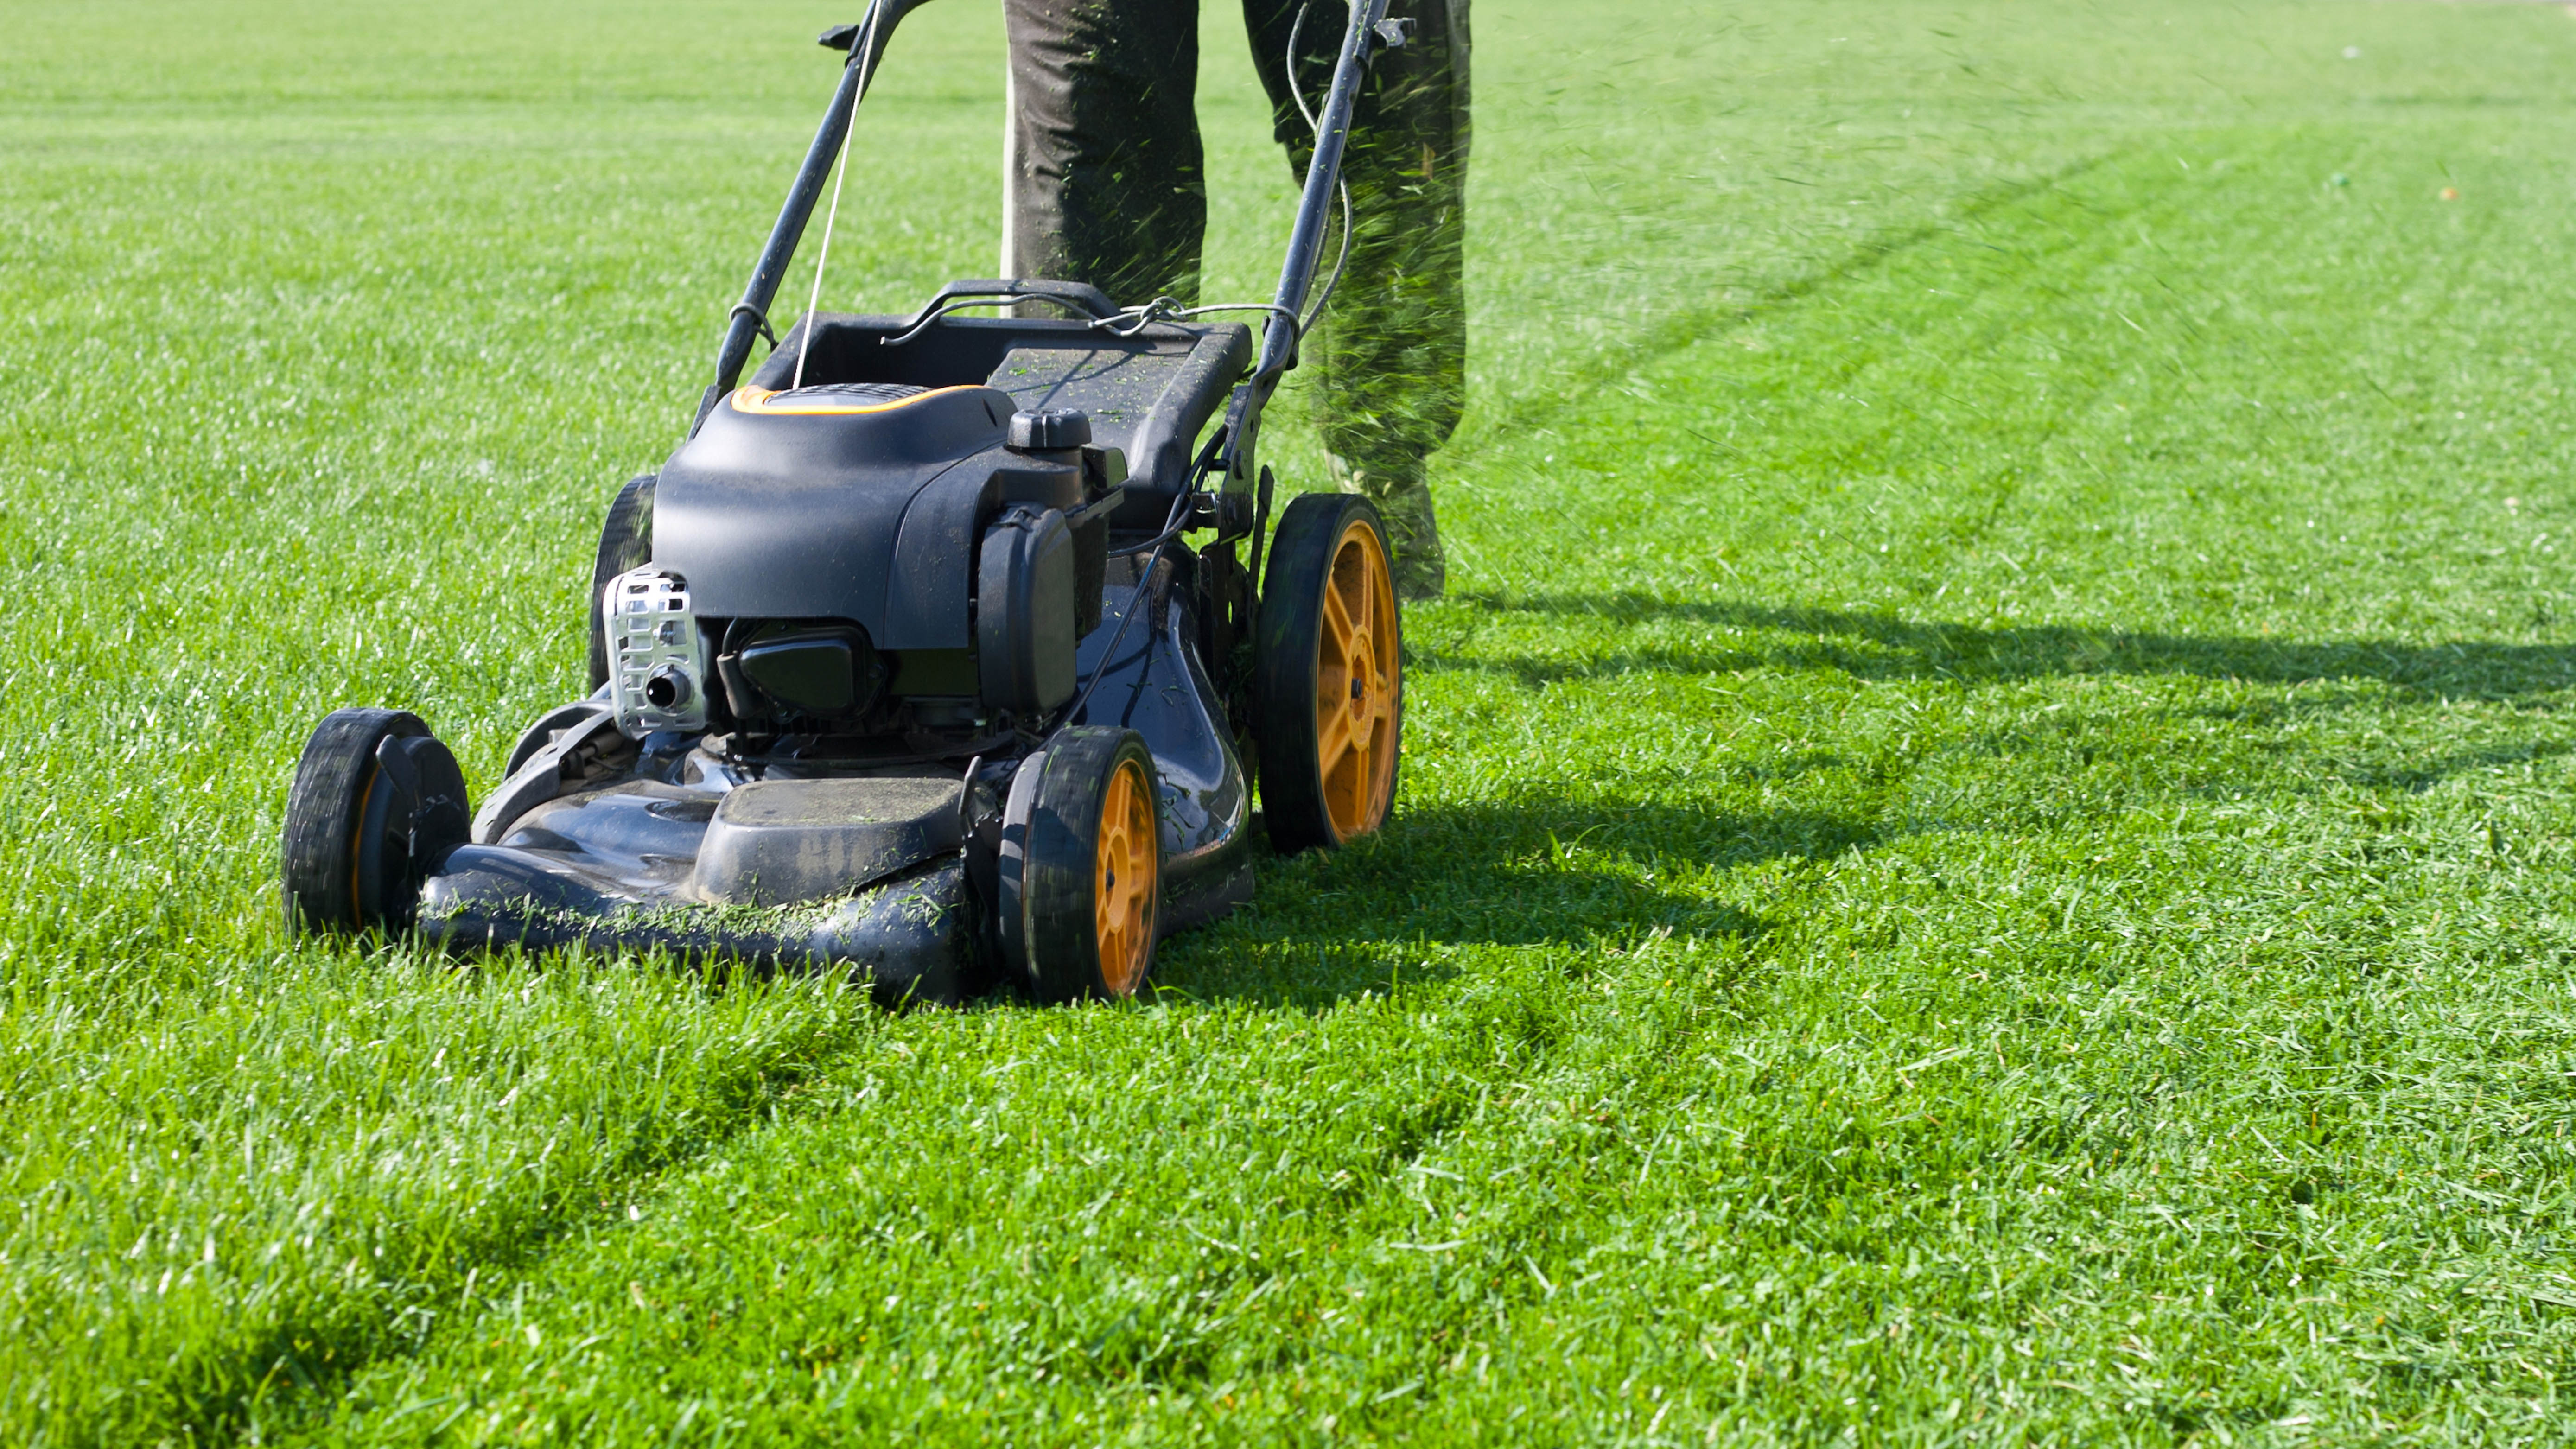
1082 868
377 803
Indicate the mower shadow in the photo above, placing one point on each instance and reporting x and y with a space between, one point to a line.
1878 646
1542 870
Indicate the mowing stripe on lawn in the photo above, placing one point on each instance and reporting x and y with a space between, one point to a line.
2057 1083
1984 844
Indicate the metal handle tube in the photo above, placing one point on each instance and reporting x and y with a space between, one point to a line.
1242 427
789 229
1323 182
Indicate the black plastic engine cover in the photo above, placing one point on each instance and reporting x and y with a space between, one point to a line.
867 514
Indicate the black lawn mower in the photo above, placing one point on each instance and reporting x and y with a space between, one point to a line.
906 661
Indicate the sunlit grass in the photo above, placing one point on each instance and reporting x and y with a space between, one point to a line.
1985 839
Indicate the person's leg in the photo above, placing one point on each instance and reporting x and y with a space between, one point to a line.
1392 347
1104 180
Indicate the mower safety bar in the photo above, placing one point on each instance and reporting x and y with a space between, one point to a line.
751 315
1001 292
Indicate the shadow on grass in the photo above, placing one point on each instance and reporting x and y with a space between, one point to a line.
1534 871
1882 646
2417 779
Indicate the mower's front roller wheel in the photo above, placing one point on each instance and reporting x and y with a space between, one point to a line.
377 802
1329 675
1081 908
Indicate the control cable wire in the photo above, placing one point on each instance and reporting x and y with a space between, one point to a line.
865 59
1313 128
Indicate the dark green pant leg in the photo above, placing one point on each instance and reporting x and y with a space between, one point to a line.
1391 349
1106 184
1105 181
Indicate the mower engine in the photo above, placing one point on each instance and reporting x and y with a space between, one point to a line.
836 563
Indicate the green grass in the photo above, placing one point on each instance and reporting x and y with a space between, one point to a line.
1986 840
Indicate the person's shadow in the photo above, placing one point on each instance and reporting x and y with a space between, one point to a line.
1883 647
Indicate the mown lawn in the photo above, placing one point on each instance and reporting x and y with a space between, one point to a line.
1986 840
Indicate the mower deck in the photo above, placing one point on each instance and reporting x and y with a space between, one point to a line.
830 863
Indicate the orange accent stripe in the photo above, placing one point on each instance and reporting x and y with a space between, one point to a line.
756 400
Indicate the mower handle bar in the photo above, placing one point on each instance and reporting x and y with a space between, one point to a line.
1280 332
1368 31
1323 183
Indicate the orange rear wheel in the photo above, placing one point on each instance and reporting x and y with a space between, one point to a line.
1355 684
1329 674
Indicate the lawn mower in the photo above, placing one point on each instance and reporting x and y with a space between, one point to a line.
906 663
